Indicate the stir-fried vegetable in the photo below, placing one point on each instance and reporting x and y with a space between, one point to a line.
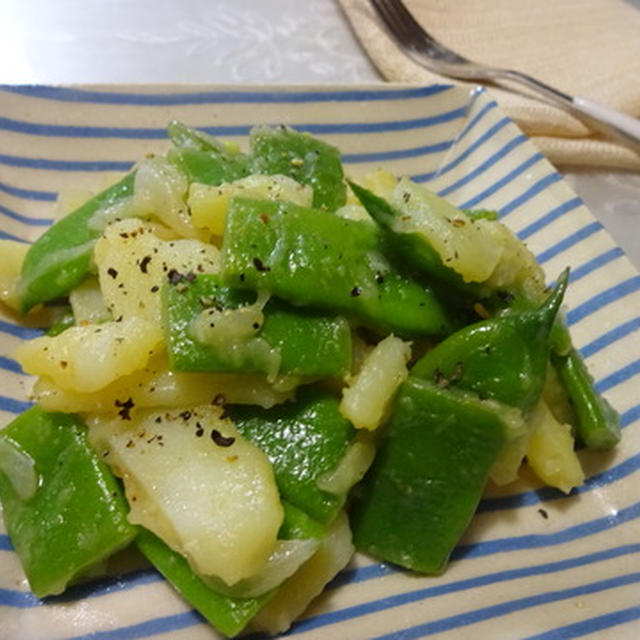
255 358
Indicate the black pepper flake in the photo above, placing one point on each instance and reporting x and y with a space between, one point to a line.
174 276
144 263
199 430
185 415
154 289
543 513
112 272
505 296
241 277
125 408
442 381
259 265
355 292
190 277
130 444
256 325
406 196
220 440
379 278
158 420
218 400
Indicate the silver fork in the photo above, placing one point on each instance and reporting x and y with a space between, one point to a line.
421 47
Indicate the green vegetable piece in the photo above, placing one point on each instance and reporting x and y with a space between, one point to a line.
413 247
304 159
76 515
598 425
304 342
205 167
297 525
504 358
318 259
60 258
427 479
303 440
230 615
65 321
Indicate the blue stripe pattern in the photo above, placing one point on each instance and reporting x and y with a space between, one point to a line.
28 194
509 606
147 133
602 299
590 625
419 595
514 143
487 156
498 184
531 192
9 364
222 97
37 222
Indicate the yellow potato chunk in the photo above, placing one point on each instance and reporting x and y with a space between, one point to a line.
209 204
159 192
464 245
87 303
133 263
367 398
295 594
157 386
89 358
550 453
12 254
194 481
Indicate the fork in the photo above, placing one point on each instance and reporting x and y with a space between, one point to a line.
424 49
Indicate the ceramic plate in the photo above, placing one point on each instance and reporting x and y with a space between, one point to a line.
535 563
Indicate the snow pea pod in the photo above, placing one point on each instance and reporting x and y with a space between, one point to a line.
60 258
428 476
73 515
598 424
412 246
228 614
307 160
304 440
318 259
504 358
301 342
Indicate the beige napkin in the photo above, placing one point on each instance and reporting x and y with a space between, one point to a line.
583 47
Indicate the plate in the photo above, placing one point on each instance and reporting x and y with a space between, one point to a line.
535 563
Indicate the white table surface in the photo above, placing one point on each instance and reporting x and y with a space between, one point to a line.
230 41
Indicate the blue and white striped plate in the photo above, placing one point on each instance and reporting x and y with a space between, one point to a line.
534 564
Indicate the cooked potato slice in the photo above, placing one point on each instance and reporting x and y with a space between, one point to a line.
88 358
133 263
294 595
550 453
366 399
157 386
196 483
87 303
159 192
209 204
12 254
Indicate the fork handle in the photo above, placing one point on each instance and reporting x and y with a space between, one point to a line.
608 121
619 125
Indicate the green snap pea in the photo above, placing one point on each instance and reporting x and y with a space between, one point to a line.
76 514
504 358
428 476
305 343
318 259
